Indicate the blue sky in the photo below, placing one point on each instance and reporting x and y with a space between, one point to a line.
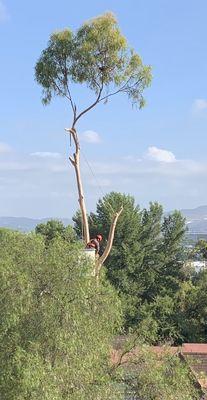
158 153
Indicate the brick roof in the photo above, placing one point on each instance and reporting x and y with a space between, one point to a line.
194 353
194 348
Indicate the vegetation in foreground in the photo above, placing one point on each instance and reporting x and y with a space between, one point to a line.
57 325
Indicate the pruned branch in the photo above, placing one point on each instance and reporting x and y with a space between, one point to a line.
107 250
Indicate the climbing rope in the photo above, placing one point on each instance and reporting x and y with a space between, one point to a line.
107 203
96 180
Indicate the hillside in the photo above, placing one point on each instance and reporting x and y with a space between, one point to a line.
196 220
24 224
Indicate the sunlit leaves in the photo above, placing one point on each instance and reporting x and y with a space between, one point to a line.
96 55
53 68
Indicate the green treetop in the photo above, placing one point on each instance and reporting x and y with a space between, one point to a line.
146 261
97 55
53 229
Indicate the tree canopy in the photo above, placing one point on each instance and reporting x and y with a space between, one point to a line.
53 229
200 250
98 56
146 262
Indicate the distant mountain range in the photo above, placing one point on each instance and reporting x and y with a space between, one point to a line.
196 220
24 224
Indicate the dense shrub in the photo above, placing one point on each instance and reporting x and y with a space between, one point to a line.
56 323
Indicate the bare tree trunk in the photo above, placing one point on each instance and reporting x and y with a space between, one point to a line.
100 260
76 163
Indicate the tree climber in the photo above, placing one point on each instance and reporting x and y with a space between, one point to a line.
95 243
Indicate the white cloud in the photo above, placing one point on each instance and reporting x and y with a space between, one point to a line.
4 15
44 180
160 155
200 105
45 154
4 148
91 137
134 168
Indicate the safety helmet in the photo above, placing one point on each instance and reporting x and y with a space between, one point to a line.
99 237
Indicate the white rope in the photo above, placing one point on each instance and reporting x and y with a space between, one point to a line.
96 180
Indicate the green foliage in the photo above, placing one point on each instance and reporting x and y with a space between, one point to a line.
192 309
145 264
5 231
56 323
54 229
200 250
96 55
54 65
160 376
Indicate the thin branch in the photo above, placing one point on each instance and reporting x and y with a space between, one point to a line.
70 98
58 89
117 91
68 89
126 351
122 89
65 95
72 161
62 93
75 139
90 107
111 94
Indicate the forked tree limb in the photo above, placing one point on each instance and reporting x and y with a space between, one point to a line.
100 260
75 161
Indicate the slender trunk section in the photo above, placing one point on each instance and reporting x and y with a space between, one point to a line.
75 161
81 199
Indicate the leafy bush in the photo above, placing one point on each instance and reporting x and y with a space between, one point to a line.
56 323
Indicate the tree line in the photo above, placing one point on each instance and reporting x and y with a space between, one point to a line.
160 293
